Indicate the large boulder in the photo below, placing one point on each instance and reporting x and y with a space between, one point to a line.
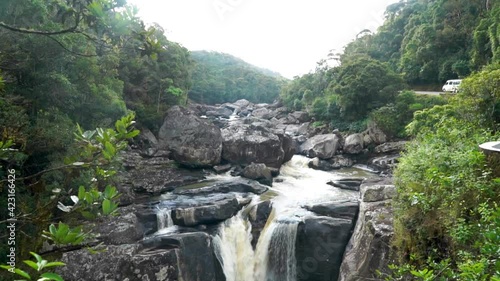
222 112
373 136
193 141
258 216
320 245
214 212
144 176
369 249
301 116
345 209
130 225
384 163
187 256
242 186
264 113
321 146
353 144
341 161
244 144
347 183
259 172
242 103
391 147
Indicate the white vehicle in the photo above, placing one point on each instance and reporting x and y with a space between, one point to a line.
452 85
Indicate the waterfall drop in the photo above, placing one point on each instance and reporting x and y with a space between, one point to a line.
164 218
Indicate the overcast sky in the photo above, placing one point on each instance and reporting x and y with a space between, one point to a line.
287 36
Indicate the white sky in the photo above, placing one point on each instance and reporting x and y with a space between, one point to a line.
287 36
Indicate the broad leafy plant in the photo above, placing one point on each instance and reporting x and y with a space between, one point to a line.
39 265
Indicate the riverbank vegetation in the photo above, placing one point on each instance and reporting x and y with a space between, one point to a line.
66 65
447 212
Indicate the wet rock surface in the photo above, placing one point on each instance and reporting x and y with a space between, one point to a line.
258 172
258 216
193 141
320 246
321 146
369 249
347 183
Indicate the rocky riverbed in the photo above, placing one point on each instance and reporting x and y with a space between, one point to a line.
217 196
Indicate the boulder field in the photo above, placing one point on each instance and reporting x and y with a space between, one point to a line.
173 170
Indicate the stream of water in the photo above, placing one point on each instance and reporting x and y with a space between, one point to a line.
274 256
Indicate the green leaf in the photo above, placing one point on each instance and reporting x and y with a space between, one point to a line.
120 127
110 192
54 263
132 134
110 148
81 193
31 264
17 271
87 215
106 207
37 256
52 229
52 276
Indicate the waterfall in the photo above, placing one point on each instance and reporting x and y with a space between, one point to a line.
164 218
234 249
273 258
281 265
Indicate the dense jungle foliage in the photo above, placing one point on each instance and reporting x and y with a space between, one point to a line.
219 78
64 63
421 44
447 212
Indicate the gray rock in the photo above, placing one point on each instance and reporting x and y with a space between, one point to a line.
242 103
211 213
289 147
373 135
297 130
347 183
263 113
144 176
242 186
391 147
186 256
374 193
259 172
258 216
222 168
321 146
193 141
341 161
369 249
386 162
319 164
301 116
353 144
147 138
222 112
346 209
321 242
244 144
130 225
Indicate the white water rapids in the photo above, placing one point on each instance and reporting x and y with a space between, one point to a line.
274 256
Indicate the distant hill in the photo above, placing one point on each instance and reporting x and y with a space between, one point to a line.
219 78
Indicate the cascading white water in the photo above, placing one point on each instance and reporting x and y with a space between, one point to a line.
279 247
164 218
272 260
274 255
234 249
